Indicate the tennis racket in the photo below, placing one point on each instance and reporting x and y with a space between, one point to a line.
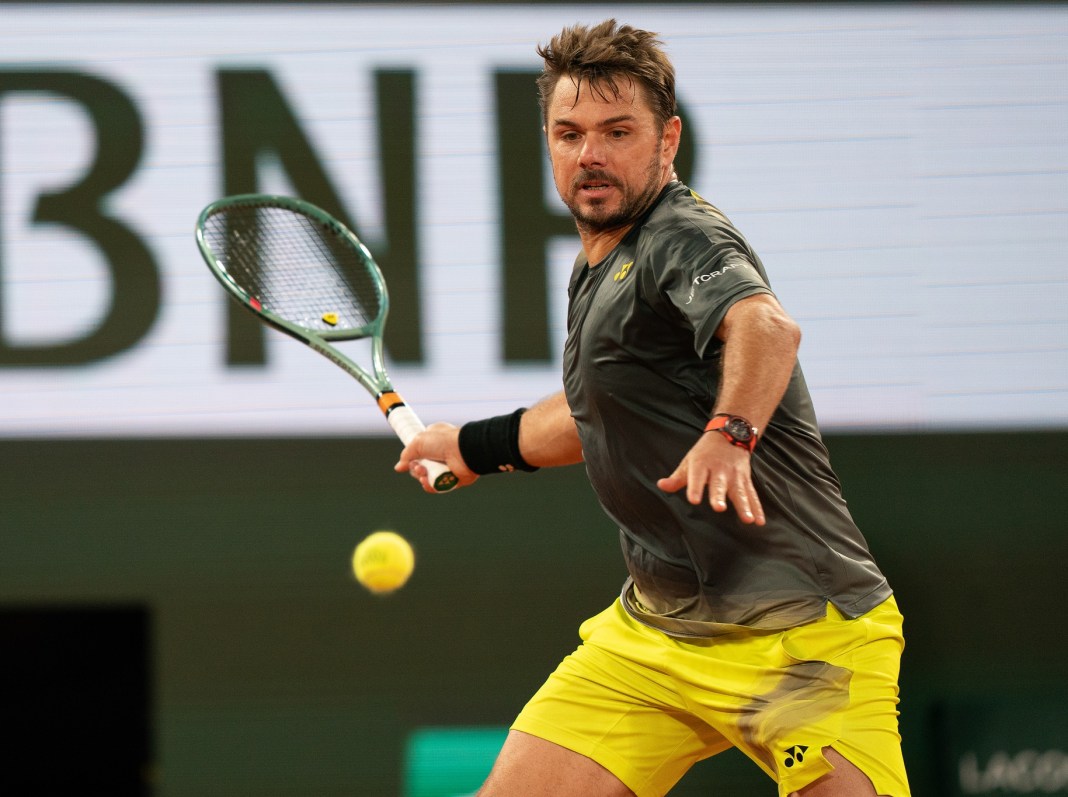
304 273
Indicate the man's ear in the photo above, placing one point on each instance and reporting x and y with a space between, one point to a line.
672 136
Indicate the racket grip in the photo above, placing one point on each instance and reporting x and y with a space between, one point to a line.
407 425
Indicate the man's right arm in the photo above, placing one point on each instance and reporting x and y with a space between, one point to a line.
547 437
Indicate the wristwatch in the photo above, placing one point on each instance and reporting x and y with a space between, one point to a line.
735 428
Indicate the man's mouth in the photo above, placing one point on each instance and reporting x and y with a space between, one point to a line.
594 183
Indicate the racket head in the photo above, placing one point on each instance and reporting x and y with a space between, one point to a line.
295 266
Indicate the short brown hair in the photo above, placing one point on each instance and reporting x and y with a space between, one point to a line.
602 54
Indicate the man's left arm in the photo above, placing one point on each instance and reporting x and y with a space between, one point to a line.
760 343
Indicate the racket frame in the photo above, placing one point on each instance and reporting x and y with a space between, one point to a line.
401 417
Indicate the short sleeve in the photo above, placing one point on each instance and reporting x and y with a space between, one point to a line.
700 279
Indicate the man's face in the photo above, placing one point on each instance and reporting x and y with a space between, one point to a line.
609 157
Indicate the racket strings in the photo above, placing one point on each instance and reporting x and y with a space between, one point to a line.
297 267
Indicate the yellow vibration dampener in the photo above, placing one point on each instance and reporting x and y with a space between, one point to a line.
330 318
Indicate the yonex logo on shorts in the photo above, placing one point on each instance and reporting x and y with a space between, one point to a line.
795 754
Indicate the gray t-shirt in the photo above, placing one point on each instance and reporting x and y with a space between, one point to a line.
641 373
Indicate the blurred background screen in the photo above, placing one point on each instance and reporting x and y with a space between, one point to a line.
900 169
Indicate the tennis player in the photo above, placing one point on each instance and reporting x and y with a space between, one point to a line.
753 616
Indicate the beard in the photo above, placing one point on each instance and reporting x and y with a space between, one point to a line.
597 215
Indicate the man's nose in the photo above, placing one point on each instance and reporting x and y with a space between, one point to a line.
593 153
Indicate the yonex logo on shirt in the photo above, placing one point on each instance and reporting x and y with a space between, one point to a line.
712 275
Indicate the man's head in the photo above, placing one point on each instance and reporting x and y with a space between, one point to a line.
608 105
605 58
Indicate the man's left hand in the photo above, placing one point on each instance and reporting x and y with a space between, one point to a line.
722 468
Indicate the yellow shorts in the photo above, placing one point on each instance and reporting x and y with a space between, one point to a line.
647 706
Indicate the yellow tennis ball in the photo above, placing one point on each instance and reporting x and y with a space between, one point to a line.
383 561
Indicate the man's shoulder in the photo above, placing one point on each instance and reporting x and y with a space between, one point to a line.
680 204
685 213
684 223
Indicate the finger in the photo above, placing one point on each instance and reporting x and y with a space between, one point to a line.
742 505
717 494
695 489
408 463
747 503
419 472
673 483
416 470
754 508
409 454
759 519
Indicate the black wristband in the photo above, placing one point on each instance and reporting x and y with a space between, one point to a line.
492 445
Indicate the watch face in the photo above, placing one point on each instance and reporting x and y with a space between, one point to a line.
739 430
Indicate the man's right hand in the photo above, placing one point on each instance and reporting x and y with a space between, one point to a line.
440 442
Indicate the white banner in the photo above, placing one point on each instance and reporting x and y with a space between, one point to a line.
902 170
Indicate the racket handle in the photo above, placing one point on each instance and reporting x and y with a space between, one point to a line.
407 425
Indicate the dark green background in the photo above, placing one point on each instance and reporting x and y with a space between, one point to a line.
275 673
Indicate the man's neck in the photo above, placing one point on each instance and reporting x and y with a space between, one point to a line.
598 245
